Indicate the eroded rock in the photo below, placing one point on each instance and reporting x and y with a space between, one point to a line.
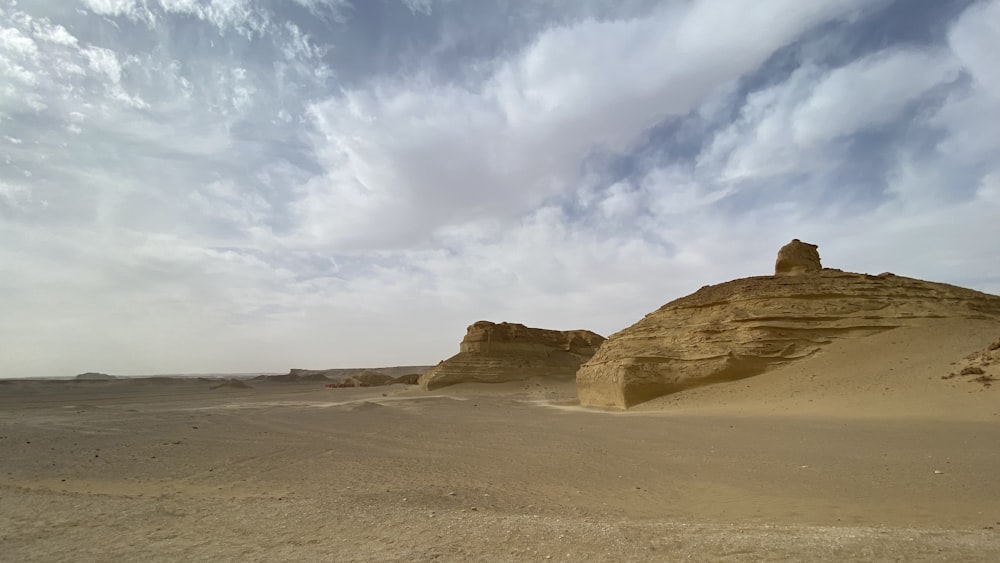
498 352
745 327
797 258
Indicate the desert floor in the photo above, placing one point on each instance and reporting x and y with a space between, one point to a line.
173 471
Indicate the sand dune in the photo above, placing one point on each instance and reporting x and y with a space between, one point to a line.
896 373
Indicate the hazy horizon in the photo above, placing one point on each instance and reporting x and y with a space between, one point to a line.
234 186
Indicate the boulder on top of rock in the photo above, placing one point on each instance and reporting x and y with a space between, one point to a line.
796 258
498 352
745 327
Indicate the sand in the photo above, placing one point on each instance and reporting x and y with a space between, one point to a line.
171 470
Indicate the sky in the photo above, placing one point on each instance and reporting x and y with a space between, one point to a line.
209 186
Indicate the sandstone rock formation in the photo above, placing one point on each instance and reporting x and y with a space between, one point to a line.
367 378
408 379
493 353
796 258
744 327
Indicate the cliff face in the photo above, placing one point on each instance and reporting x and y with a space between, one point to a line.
497 352
744 327
796 258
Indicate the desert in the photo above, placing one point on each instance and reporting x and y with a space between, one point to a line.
861 441
518 280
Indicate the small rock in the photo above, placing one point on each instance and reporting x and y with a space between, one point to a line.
938 472
972 370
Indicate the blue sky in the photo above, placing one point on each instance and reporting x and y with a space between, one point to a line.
244 185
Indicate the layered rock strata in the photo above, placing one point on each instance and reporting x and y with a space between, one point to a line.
498 352
744 327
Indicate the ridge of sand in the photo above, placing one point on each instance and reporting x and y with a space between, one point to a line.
899 373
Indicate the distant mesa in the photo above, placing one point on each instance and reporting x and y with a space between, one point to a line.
499 352
745 327
338 375
94 376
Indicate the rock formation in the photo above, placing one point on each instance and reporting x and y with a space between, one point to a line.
493 353
744 327
367 378
796 258
984 365
408 379
95 376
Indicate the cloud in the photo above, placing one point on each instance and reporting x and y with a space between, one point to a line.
792 126
419 6
426 155
234 186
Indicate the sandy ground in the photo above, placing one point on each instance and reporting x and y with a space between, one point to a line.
172 471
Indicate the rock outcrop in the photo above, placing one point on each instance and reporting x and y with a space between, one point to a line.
367 378
494 353
408 379
796 258
744 327
981 367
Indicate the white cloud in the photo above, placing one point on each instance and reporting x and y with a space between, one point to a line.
335 8
246 17
13 196
16 44
975 39
104 61
426 155
886 81
57 34
419 6
113 7
789 126
17 51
